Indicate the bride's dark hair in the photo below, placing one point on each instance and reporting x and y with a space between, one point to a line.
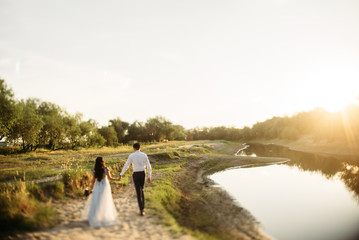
99 168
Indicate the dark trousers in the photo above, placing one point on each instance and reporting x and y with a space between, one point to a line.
139 180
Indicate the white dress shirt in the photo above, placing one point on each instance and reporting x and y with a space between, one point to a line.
139 162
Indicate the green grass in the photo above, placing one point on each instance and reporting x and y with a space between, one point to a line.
165 195
45 163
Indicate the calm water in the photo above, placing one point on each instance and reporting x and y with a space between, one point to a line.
312 197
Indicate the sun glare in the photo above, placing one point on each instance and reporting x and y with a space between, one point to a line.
338 103
334 97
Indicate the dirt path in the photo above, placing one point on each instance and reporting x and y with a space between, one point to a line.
132 225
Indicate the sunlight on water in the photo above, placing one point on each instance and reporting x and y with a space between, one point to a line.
293 204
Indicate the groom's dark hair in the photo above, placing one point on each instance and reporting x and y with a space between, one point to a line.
136 146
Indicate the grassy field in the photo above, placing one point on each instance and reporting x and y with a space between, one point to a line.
43 163
180 193
30 182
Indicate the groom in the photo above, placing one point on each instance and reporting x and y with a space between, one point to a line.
139 162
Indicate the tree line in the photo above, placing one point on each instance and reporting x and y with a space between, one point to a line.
32 123
342 126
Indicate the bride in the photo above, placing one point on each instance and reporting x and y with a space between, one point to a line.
100 211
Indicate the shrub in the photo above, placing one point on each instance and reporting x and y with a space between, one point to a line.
55 190
36 192
165 155
9 150
199 149
75 182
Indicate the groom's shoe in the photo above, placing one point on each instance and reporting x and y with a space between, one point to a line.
142 213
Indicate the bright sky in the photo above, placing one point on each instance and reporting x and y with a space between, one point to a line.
197 63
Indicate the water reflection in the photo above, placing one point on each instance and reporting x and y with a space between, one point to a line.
313 196
350 176
294 204
346 167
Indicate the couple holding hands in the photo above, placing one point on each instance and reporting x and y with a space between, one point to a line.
100 209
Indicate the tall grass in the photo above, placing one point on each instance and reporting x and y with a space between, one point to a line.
21 210
75 182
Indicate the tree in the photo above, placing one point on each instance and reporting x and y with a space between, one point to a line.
158 128
53 130
90 136
110 135
218 133
198 133
179 132
120 127
245 133
7 109
96 140
28 124
72 129
168 130
136 131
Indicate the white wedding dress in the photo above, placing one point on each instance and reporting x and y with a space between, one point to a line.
100 210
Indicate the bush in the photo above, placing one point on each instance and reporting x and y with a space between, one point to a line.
75 182
55 190
199 149
9 150
165 155
36 192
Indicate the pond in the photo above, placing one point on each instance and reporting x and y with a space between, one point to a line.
310 197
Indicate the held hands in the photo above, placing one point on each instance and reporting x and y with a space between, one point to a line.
120 178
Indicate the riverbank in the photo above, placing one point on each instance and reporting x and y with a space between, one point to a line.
207 211
182 201
308 144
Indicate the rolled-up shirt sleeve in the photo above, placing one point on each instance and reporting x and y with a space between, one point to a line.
128 162
149 168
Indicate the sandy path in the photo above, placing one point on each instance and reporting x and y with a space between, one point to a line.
132 225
